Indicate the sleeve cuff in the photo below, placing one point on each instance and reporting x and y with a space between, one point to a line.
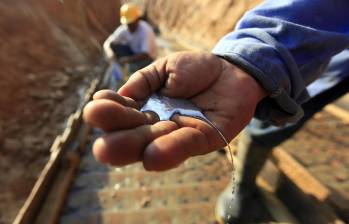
280 107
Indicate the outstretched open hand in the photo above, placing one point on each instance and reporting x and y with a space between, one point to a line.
226 95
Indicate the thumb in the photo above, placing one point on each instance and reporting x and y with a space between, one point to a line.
145 81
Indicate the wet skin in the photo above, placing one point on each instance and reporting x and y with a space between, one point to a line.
226 94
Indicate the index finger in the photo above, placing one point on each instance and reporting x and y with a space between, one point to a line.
145 81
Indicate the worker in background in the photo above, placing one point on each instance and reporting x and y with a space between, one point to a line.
133 43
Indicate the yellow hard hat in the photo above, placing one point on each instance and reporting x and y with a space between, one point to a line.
129 13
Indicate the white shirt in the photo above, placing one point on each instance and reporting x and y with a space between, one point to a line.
143 40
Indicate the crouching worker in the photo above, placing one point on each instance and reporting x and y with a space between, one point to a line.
133 43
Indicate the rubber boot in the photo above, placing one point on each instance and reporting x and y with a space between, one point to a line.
249 161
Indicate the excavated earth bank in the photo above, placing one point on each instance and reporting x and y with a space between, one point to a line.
48 52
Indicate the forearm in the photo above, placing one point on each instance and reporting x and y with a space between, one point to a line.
108 52
114 38
285 49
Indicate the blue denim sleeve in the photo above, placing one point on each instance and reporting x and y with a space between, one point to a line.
286 45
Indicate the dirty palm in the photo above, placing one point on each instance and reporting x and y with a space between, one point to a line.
133 136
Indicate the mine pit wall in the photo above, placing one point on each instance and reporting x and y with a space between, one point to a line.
48 50
199 23
42 35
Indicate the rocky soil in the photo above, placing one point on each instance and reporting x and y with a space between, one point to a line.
197 23
47 56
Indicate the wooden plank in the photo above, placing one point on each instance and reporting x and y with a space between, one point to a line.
303 193
275 207
56 143
42 186
33 203
52 207
338 112
299 175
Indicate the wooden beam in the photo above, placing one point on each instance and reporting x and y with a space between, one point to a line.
338 112
299 175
